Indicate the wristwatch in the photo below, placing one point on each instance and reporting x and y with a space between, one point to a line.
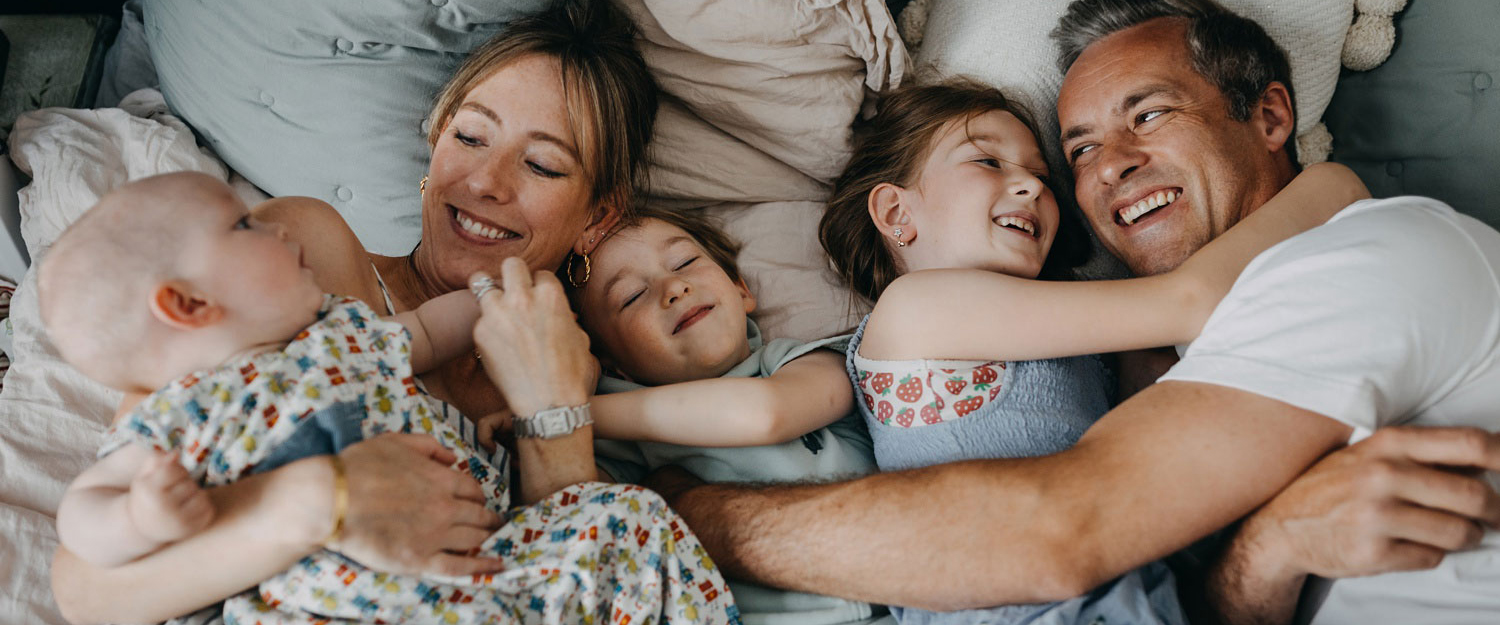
553 422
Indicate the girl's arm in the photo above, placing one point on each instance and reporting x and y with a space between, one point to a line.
803 395
968 314
442 329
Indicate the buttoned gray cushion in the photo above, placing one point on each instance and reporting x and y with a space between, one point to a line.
325 98
1427 122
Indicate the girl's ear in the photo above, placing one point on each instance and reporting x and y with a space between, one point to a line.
605 221
178 305
746 296
889 212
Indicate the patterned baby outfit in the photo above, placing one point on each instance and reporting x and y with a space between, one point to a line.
590 553
924 412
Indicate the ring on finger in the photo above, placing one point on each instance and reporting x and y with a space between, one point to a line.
482 285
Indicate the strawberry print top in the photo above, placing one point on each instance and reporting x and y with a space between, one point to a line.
914 393
925 412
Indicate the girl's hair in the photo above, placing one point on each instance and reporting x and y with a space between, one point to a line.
891 147
610 94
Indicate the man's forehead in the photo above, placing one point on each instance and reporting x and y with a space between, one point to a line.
1123 68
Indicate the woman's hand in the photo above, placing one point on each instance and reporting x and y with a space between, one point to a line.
532 348
409 512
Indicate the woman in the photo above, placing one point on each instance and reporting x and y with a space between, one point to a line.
537 143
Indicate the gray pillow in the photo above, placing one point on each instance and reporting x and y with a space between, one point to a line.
325 98
1427 122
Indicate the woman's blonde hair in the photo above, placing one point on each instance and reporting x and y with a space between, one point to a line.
891 147
610 94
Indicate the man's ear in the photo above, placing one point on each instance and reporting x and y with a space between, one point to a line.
746 295
1275 116
178 305
606 219
889 211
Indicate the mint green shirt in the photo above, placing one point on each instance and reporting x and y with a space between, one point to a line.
841 450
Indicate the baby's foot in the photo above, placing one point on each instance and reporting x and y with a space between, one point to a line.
165 503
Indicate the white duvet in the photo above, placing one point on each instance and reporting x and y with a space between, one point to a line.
769 89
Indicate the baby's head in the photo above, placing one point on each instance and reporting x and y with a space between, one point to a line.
664 301
167 275
945 176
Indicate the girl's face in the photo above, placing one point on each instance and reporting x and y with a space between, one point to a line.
981 201
507 177
660 310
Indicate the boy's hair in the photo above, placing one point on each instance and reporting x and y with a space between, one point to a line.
719 246
723 249
891 147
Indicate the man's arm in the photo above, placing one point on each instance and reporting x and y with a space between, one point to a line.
1399 500
1175 462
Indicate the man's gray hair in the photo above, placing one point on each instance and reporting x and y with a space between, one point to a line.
1233 53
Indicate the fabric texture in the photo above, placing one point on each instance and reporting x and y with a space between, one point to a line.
999 410
1425 122
1015 410
591 551
839 451
1386 315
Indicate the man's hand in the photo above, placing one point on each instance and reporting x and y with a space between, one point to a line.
165 503
1399 500
410 512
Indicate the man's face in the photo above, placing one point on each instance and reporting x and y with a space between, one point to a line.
1160 166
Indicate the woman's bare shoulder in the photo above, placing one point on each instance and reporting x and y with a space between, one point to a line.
329 247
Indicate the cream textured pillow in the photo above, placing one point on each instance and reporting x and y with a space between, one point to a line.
1007 45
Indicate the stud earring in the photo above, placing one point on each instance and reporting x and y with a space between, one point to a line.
896 232
422 186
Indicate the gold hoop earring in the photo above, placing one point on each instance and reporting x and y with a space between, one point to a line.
422 186
578 284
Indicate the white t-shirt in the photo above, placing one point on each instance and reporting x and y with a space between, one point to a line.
1389 314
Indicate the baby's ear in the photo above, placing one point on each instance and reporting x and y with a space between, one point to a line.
177 304
746 295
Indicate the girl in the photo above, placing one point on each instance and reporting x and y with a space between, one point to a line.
944 218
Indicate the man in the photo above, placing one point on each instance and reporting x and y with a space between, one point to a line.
1301 357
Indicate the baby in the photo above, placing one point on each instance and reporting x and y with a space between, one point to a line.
170 283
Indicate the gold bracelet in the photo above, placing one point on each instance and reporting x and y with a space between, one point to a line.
340 499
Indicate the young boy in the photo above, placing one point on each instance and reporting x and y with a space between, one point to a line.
170 283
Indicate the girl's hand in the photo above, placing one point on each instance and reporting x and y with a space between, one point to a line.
532 348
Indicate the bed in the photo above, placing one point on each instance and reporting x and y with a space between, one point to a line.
761 95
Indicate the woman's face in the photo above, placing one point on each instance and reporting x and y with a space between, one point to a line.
507 177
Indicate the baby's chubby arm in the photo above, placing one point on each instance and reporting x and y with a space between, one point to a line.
129 504
442 329
803 395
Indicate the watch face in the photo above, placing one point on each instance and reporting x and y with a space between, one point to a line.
554 422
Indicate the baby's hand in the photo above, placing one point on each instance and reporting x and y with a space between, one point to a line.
495 428
165 503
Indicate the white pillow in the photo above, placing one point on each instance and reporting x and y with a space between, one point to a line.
1007 46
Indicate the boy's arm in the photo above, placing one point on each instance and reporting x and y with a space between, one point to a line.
442 329
803 395
94 520
935 314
